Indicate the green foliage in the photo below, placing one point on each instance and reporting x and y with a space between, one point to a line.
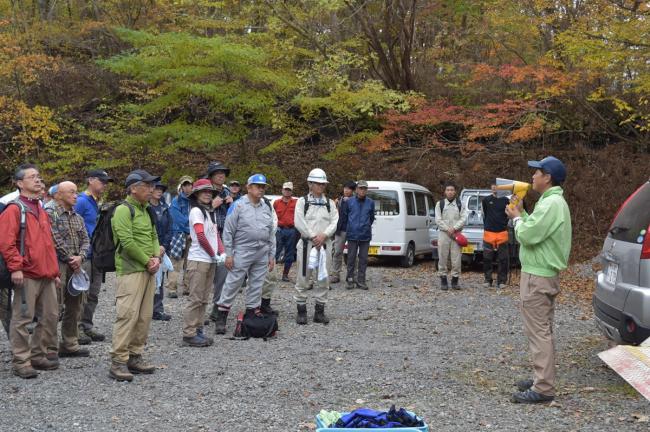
350 145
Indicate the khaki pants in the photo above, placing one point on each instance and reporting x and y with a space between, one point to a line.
447 247
178 277
200 276
133 311
337 254
270 283
537 309
40 294
321 288
72 306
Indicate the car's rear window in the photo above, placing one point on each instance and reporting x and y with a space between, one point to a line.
634 217
386 202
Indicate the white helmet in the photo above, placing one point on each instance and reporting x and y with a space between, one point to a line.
317 175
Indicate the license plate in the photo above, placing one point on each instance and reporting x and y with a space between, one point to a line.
469 249
612 273
373 250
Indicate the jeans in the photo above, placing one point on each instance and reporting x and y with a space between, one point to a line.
285 239
357 248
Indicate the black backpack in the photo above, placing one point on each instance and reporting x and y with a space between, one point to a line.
307 204
103 244
441 203
257 326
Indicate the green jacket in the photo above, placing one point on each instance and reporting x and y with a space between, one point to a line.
136 238
545 235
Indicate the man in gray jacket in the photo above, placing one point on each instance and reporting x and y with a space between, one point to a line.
450 218
249 240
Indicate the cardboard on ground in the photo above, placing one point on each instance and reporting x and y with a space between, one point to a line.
632 363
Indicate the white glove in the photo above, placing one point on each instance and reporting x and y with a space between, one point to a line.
219 259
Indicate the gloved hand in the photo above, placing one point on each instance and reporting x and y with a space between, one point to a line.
219 259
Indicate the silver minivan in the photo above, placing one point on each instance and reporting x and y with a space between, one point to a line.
622 298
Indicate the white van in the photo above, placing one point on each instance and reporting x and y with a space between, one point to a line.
403 214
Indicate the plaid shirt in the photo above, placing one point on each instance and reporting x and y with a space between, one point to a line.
69 233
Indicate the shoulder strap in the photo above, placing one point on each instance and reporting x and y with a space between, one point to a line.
23 224
306 197
441 203
268 203
130 207
327 204
458 204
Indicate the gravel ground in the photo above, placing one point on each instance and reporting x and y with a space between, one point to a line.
449 356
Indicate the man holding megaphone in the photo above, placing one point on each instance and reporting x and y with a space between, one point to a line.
545 243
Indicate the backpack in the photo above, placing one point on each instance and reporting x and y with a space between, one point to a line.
258 326
307 204
103 244
441 203
5 275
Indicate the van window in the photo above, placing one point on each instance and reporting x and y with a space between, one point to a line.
473 203
634 218
420 201
386 202
432 206
410 203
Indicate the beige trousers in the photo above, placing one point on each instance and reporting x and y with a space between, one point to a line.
537 309
337 254
40 295
133 311
200 276
72 307
321 288
270 282
447 247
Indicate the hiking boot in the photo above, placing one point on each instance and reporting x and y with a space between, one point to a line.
454 283
120 372
349 284
199 331
44 364
94 335
172 294
220 321
137 365
266 307
443 283
362 285
161 316
83 338
524 384
335 279
530 397
81 352
196 341
186 292
26 372
301 318
319 314
285 278
52 356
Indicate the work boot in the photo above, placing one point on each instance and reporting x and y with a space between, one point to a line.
266 307
44 364
26 372
172 294
186 292
454 283
196 341
319 314
220 321
301 318
443 283
83 338
362 285
120 372
81 352
349 284
530 397
161 316
95 336
199 331
285 278
137 365
524 384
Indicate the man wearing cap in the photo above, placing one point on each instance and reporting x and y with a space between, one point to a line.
545 244
179 243
217 173
249 241
360 214
235 190
72 246
164 231
87 206
137 260
286 235
34 275
50 200
340 236
316 219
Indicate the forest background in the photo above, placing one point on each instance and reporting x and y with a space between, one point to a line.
421 91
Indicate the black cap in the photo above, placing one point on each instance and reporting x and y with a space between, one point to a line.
160 185
217 166
140 175
100 174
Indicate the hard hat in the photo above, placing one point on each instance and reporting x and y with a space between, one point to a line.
78 283
317 175
460 239
203 184
259 179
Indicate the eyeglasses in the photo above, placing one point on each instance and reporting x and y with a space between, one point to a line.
33 177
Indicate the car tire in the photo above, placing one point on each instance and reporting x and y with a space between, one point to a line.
409 259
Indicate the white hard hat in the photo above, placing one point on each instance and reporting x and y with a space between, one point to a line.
317 175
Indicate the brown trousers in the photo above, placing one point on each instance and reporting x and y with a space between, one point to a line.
72 307
200 277
40 295
134 309
537 309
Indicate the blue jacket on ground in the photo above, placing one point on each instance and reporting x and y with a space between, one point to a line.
180 211
163 224
360 215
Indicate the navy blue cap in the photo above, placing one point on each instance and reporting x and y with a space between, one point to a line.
551 165
140 175
100 174
160 185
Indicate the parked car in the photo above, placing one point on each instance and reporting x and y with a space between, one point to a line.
403 214
621 300
473 230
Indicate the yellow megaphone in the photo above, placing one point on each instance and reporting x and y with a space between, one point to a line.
519 190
